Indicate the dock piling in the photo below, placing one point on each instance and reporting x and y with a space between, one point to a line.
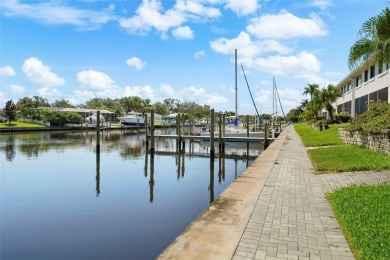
212 133
152 132
98 131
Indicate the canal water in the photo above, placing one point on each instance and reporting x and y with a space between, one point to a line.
62 200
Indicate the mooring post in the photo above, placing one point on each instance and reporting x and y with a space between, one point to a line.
247 134
152 132
98 131
266 133
219 131
146 132
212 134
179 131
224 128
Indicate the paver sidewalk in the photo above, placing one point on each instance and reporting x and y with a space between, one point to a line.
292 218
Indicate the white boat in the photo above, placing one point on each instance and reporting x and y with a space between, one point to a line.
132 119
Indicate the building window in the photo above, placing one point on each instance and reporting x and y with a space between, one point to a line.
372 71
349 87
358 80
383 94
365 75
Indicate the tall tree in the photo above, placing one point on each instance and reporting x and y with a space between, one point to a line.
310 89
61 103
329 95
10 111
373 41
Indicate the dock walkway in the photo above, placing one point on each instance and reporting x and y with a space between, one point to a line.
276 209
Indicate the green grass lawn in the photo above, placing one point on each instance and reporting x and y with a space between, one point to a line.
313 137
17 124
347 158
364 216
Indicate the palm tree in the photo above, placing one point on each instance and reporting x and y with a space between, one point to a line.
329 95
373 42
310 89
304 103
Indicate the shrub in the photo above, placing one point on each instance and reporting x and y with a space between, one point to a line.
376 118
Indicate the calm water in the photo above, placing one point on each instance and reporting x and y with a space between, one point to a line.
61 200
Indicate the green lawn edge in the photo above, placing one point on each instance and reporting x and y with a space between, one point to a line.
363 213
17 124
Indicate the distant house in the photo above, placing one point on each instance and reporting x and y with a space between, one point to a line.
368 83
86 112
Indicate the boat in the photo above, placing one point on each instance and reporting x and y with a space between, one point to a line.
132 119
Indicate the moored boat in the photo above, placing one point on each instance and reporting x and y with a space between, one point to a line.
132 119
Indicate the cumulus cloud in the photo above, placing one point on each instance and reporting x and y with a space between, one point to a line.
81 96
199 95
167 90
17 89
322 4
54 12
41 74
242 8
184 33
95 79
150 15
49 93
286 25
199 54
143 92
7 71
247 47
136 62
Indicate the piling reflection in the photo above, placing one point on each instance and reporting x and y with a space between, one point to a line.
151 180
211 186
97 173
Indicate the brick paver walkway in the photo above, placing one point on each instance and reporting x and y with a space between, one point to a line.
292 218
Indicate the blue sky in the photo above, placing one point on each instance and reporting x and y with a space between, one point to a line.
182 49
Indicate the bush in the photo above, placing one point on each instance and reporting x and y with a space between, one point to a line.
376 118
63 118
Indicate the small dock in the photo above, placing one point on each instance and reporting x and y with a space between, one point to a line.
207 138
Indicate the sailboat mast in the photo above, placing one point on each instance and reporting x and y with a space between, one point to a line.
235 68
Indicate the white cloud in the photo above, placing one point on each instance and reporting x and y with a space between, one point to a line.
322 4
17 89
199 54
7 71
143 92
49 93
248 48
81 96
242 42
167 90
242 8
150 15
41 74
136 62
303 65
53 12
286 25
198 95
183 32
95 79
193 7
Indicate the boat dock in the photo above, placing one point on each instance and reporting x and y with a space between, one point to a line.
207 138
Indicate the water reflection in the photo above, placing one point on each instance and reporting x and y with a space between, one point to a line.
120 213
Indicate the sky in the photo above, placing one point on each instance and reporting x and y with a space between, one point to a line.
182 49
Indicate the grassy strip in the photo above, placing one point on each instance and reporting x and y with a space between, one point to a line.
17 124
364 216
346 158
313 137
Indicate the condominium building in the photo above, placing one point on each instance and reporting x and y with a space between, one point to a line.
370 82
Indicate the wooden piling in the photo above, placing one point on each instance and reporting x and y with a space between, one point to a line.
219 132
146 131
212 133
266 134
223 133
98 131
152 132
